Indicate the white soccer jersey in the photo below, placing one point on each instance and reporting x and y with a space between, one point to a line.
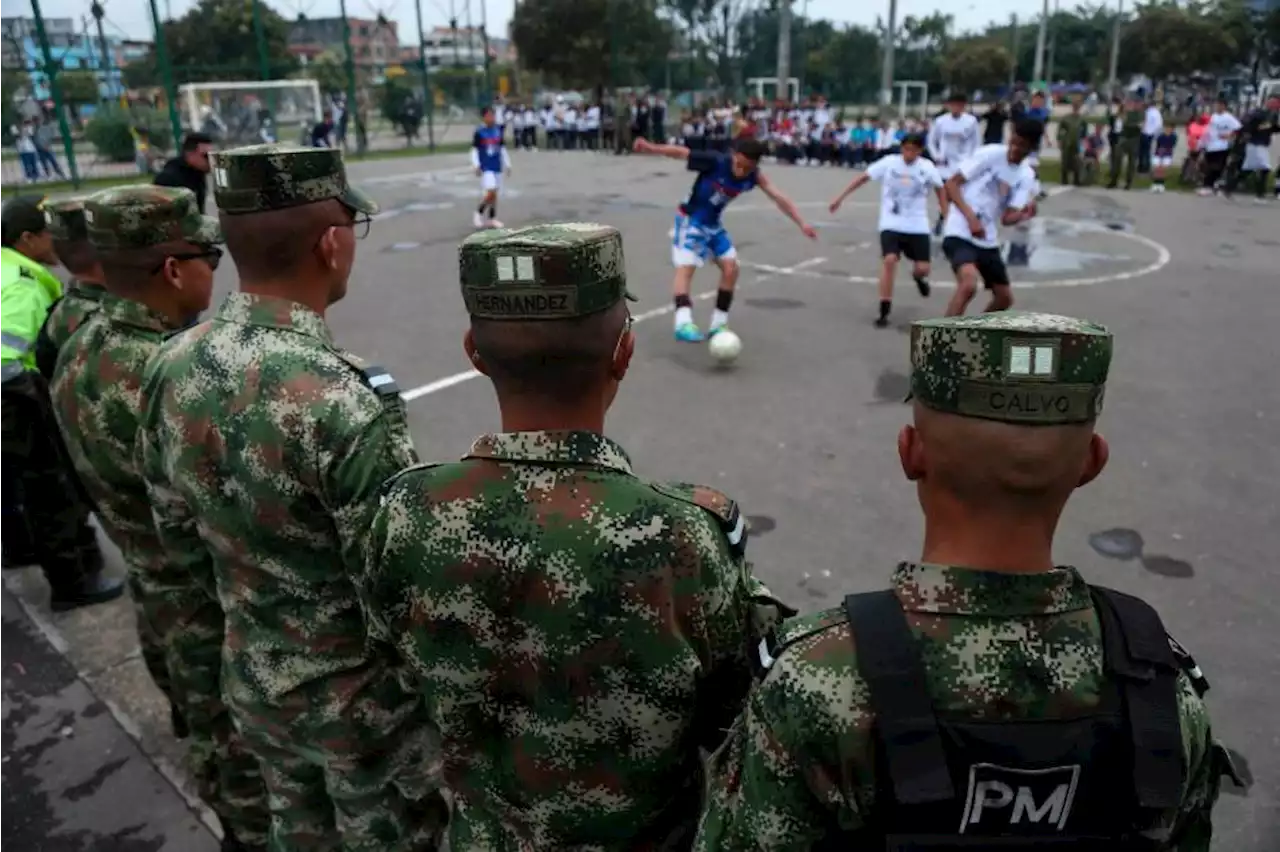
992 185
953 140
904 192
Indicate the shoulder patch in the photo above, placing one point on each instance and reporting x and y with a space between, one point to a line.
1188 666
794 630
725 510
25 272
382 382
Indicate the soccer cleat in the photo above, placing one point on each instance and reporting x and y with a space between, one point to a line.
477 219
716 329
881 322
494 223
922 284
689 333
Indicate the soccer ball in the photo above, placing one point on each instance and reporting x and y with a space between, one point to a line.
725 346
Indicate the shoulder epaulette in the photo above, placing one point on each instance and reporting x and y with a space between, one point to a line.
25 272
382 382
794 630
1188 665
725 510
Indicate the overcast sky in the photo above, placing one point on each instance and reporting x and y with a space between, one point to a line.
132 17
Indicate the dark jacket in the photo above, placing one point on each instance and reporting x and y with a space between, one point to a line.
177 172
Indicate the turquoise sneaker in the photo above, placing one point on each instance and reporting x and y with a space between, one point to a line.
712 332
689 333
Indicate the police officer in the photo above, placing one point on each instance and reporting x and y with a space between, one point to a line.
43 508
84 292
579 633
989 695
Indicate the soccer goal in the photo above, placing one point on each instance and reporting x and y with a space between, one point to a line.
757 87
913 95
249 112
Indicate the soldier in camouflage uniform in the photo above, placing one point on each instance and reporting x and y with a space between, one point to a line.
579 633
83 294
265 445
1071 131
857 735
1128 127
158 254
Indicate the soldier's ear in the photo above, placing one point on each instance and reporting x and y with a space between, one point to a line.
911 453
1095 461
469 347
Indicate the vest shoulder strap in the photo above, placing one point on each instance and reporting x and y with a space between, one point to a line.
889 661
1138 656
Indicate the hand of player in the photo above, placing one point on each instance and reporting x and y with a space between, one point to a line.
835 205
976 227
641 145
809 231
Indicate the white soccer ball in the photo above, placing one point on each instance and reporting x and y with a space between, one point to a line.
725 346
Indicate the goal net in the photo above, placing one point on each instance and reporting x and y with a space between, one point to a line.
250 112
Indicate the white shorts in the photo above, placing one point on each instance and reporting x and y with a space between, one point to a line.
490 181
947 171
1257 158
1162 162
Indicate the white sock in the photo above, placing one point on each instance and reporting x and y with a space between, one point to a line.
719 318
684 316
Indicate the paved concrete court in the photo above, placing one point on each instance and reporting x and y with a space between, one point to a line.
801 431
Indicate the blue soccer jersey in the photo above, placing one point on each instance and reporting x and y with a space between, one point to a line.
714 188
488 148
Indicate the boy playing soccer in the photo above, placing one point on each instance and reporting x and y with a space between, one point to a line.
489 157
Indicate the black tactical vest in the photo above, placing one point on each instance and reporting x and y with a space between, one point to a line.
1085 784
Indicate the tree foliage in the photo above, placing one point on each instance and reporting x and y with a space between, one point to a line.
581 42
328 71
78 87
215 41
977 64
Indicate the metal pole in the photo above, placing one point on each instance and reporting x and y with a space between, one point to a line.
1115 51
484 42
471 46
428 96
1013 66
1053 46
352 109
803 60
107 69
55 91
166 74
784 49
260 36
886 70
1038 69
453 27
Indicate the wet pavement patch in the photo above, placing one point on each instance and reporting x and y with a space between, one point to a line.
892 386
1117 543
770 303
1167 566
760 524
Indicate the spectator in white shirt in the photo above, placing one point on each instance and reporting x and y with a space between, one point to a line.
1152 124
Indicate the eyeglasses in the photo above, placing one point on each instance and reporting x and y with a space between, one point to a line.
211 256
359 226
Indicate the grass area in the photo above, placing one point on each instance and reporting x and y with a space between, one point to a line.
92 184
1051 173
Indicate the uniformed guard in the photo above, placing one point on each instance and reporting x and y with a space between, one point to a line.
578 633
265 445
1071 130
46 519
84 292
990 698
1125 146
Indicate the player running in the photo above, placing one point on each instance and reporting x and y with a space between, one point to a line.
953 138
489 157
905 180
995 185
698 232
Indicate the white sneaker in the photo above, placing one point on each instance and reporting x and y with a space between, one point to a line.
1155 188
1204 192
477 219
494 223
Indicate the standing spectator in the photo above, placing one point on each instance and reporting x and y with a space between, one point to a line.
1217 145
658 120
993 132
190 167
25 139
322 132
1152 124
46 136
640 118
1259 126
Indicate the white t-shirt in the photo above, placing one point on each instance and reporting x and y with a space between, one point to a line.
593 118
904 192
992 185
1218 131
953 140
1153 123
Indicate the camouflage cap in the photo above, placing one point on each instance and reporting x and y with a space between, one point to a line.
131 217
1026 368
66 218
259 178
559 270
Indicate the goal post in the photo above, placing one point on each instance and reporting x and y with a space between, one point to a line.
905 90
756 86
245 112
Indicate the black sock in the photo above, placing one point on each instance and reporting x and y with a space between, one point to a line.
724 300
493 211
683 301
885 304
481 208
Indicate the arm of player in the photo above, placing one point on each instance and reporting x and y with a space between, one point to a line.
675 152
955 195
786 205
853 187
475 152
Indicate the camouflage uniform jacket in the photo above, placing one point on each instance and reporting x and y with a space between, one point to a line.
578 633
264 446
799 765
80 302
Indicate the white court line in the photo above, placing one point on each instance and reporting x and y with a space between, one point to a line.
661 311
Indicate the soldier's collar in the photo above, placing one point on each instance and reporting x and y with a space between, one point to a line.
271 312
86 290
578 448
948 589
137 315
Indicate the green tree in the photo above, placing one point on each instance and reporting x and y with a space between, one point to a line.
569 40
215 41
976 63
1167 41
78 88
328 70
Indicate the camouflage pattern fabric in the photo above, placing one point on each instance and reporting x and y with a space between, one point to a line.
543 272
1011 366
801 761
133 217
259 178
67 314
264 446
96 393
578 634
66 218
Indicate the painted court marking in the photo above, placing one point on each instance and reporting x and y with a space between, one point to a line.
661 311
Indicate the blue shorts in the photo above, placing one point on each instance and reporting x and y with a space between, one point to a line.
691 243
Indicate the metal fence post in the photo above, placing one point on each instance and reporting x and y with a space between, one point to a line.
354 121
166 75
55 91
429 101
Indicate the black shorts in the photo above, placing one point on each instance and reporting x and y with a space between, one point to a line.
988 260
911 246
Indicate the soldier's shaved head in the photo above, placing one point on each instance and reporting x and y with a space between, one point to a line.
275 243
561 361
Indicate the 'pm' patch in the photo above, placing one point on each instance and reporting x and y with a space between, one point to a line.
1002 801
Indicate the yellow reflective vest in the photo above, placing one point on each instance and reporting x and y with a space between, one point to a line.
27 292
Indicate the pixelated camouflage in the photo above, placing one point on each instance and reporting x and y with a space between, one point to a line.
132 217
96 392
801 762
66 218
1011 366
264 446
80 302
559 270
578 635
258 178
